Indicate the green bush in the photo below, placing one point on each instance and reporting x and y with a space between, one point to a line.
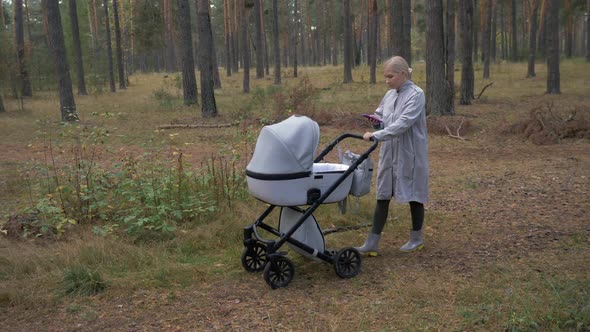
80 281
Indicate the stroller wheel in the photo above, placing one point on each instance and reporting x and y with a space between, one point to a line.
254 257
347 263
279 272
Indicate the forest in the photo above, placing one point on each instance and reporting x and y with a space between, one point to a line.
126 127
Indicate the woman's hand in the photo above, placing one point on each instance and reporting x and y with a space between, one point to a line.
367 136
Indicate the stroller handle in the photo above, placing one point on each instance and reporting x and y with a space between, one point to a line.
339 139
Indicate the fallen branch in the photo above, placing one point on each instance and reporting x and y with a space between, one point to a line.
345 228
484 89
458 136
219 125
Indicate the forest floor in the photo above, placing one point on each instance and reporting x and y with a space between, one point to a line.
507 238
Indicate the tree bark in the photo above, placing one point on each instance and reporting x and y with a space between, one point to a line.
57 46
258 40
78 60
334 39
245 43
208 104
119 48
514 44
588 32
189 81
275 41
227 33
569 27
450 45
532 39
109 46
486 39
296 27
406 31
439 99
553 79
372 49
465 32
2 109
19 42
347 43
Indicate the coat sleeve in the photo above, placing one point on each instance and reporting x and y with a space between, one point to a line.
412 109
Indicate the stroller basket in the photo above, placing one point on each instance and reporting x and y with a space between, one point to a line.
283 172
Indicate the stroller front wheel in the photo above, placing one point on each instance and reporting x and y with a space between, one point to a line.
279 272
347 263
254 257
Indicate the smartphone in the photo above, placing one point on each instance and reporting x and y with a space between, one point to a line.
372 117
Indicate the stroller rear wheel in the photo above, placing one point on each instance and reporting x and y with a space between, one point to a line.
254 257
279 272
347 263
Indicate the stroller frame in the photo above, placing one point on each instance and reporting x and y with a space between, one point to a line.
261 254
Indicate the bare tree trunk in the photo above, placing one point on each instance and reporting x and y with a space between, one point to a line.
19 36
2 109
514 45
406 31
372 49
109 46
553 76
245 46
532 39
275 41
119 48
258 40
465 33
493 46
450 46
237 35
486 40
285 33
57 45
569 27
189 80
347 43
77 48
296 26
439 100
227 30
588 32
208 104
334 39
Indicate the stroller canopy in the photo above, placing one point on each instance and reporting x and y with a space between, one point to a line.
286 149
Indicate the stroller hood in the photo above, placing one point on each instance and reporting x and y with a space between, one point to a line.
286 148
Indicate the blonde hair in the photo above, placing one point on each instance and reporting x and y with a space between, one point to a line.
399 65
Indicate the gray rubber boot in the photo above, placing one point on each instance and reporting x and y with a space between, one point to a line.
371 245
416 242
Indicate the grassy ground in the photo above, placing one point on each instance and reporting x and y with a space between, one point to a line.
507 235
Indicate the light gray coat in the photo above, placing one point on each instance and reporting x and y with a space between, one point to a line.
403 158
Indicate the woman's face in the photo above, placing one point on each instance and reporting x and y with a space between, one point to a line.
393 79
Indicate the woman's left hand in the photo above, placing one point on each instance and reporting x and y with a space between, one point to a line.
367 136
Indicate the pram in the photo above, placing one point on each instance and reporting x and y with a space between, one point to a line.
283 173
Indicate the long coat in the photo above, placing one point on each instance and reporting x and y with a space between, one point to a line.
403 158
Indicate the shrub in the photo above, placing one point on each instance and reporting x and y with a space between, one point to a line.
80 281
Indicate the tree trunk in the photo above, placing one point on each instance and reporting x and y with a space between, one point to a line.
2 109
439 100
476 31
334 39
406 31
119 48
569 27
347 43
227 34
258 40
514 44
275 41
588 32
237 35
372 49
450 45
215 66
77 47
208 105
109 46
493 45
19 36
57 46
553 79
465 33
486 40
170 51
296 35
284 33
245 46
397 28
532 39
189 81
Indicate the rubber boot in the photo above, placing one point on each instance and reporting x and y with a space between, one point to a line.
370 246
416 242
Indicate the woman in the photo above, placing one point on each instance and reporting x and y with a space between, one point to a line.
403 158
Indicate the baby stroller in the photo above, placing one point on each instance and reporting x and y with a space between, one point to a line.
283 173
